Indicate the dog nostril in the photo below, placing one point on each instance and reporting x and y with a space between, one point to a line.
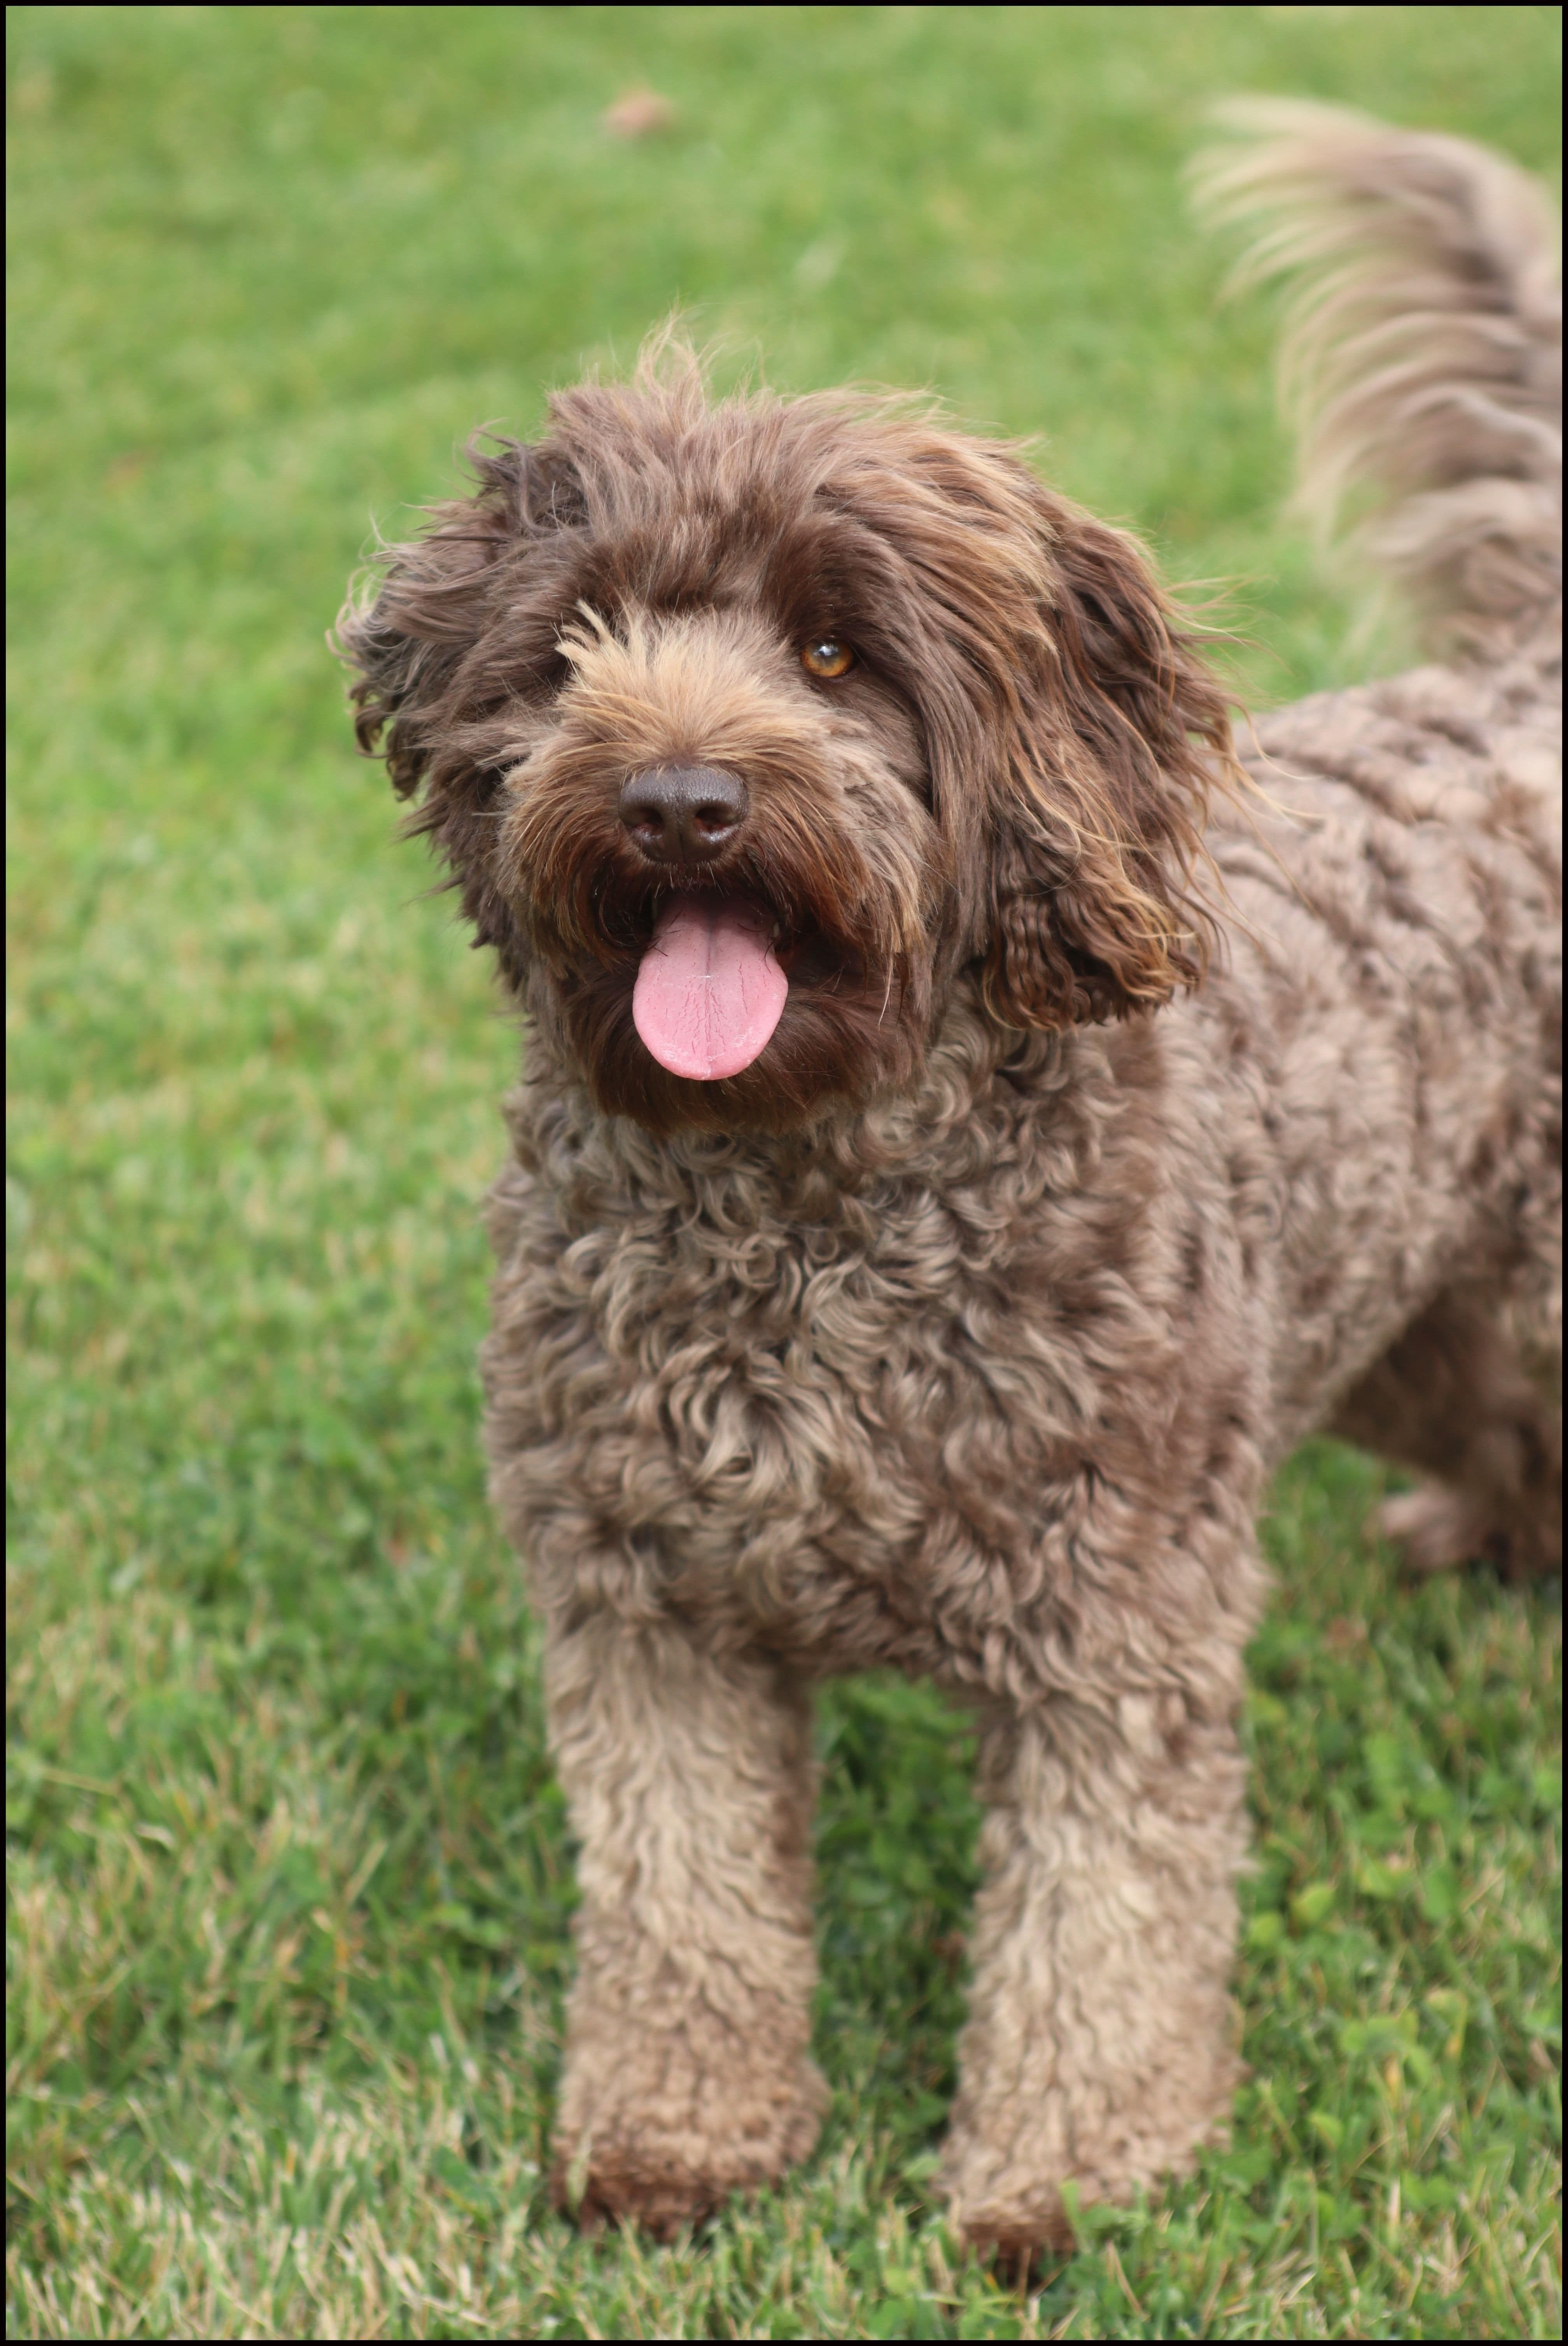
683 814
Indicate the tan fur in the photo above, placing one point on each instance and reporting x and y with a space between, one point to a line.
689 1778
961 1332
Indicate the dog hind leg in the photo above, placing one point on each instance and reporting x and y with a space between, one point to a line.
689 1782
1471 1397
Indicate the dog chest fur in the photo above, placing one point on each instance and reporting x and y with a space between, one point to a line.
864 1392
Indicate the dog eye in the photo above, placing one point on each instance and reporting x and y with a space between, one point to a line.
827 658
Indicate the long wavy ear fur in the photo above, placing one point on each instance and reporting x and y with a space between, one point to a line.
436 677
1074 734
1119 738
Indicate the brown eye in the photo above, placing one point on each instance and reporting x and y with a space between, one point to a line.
827 658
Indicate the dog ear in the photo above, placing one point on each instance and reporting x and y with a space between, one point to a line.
1115 740
460 622
411 643
1073 732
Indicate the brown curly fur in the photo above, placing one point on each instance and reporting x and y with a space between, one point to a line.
959 1332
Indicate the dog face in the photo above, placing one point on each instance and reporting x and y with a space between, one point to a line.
745 727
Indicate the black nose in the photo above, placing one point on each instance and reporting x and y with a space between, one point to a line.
683 814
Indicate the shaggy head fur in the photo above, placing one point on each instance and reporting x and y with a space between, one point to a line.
1013 772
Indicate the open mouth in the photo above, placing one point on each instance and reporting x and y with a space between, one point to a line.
705 972
709 988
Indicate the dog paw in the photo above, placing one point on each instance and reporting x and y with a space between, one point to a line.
662 2174
1018 2244
1434 1530
619 2183
1437 1530
1012 2214
1016 2179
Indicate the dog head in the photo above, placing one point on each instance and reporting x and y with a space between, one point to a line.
745 727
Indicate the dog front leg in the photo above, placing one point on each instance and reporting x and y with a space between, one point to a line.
1097 2049
689 1780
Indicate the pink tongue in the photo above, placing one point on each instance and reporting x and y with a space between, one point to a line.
709 993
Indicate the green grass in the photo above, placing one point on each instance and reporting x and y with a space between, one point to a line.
289 1884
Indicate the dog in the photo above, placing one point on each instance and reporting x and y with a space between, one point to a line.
976 1121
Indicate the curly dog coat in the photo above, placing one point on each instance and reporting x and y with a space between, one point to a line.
970 1135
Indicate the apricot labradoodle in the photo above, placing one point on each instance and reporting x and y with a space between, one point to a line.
974 1126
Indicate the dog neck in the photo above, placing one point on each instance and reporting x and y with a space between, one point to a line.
978 1081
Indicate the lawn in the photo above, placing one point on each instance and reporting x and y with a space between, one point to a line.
290 1887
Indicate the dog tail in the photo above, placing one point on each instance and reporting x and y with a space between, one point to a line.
1423 356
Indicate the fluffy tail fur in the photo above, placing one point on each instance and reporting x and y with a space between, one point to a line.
1423 358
